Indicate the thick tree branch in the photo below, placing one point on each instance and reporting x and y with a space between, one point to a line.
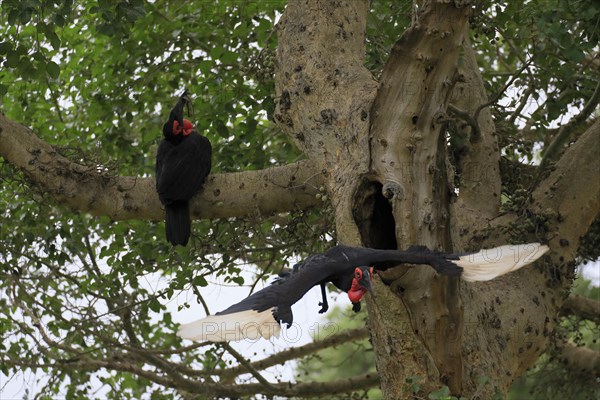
580 359
583 307
516 310
477 164
91 189
296 353
572 193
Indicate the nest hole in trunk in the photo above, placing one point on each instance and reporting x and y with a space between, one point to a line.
373 215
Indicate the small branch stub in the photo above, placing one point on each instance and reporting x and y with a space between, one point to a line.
392 190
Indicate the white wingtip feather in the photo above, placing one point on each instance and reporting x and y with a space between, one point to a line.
238 326
490 263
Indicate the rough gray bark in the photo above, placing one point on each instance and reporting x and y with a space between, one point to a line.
325 93
583 307
479 161
409 160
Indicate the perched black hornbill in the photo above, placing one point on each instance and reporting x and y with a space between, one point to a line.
183 161
349 269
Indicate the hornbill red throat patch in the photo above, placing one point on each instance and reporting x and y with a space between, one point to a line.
183 162
350 270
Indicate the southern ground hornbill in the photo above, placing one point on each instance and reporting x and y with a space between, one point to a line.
183 161
349 269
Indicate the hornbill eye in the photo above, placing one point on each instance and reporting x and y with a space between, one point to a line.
358 273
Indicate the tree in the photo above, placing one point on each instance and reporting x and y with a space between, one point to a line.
367 124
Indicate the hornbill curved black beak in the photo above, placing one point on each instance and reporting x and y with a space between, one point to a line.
187 101
365 281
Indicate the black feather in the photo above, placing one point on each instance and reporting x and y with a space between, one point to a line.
182 165
336 266
178 225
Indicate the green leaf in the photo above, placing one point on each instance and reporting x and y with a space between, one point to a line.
12 59
199 281
25 16
442 393
52 38
132 14
238 279
53 69
59 20
154 305
5 47
229 57
107 29
221 128
205 66
3 89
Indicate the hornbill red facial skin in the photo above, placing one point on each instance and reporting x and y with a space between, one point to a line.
361 284
183 162
350 270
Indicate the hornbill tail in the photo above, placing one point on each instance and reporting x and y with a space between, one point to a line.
177 222
488 264
247 324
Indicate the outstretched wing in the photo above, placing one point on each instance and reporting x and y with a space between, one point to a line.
483 265
342 259
258 315
251 318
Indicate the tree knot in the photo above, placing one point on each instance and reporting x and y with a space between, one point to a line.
392 189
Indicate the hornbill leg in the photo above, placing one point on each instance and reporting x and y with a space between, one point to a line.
323 304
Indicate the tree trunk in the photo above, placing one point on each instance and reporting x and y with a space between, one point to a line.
409 160
325 94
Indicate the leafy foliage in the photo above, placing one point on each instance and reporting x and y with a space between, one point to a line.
547 52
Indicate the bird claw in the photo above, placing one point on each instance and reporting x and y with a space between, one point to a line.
324 307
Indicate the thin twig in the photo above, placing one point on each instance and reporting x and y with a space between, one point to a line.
248 366
554 149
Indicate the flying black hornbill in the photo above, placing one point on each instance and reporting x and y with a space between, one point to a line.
350 270
183 161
